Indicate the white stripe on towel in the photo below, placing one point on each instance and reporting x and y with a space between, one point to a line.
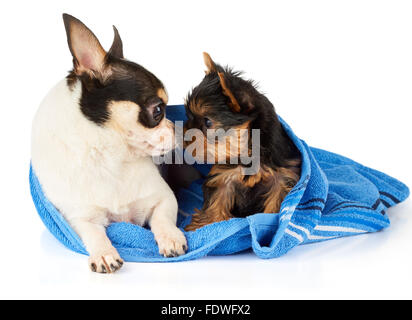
320 228
294 234
306 231
338 229
311 237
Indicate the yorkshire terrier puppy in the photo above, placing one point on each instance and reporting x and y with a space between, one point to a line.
224 100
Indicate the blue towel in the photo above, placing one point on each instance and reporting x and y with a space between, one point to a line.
335 197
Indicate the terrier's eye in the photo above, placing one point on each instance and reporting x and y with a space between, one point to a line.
208 123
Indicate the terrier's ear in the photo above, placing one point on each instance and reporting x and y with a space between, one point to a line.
117 46
210 65
88 54
233 104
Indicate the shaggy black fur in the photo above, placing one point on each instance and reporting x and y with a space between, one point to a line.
209 103
276 148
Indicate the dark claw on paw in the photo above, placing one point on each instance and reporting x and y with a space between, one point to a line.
93 267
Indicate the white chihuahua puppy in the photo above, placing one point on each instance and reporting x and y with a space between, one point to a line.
93 139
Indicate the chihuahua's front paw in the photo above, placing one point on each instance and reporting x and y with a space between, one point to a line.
107 261
171 242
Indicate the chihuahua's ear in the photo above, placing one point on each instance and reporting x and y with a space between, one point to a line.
117 47
233 103
88 54
210 65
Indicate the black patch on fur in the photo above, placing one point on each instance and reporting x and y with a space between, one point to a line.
128 82
243 207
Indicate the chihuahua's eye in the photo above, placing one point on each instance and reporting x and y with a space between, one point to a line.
208 122
157 112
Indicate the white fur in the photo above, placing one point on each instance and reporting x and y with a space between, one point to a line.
94 175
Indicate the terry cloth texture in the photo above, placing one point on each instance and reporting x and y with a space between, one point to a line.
335 197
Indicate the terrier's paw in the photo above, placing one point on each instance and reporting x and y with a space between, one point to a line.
107 261
199 220
171 242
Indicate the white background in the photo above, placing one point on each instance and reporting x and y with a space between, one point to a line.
339 72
